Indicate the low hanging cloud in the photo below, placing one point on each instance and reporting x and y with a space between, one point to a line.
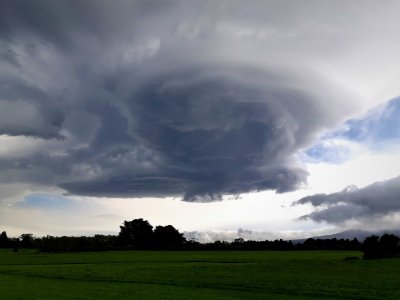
376 200
231 235
155 99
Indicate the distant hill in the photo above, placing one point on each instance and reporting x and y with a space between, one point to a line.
351 234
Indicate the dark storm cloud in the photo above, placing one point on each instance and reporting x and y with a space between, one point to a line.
144 98
27 110
208 132
378 199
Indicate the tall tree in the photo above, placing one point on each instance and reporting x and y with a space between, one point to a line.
4 241
27 240
136 233
370 247
167 237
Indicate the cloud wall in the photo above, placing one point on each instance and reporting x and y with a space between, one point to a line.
193 100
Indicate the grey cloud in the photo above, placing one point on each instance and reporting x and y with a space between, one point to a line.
143 98
10 56
378 199
27 110
129 187
215 133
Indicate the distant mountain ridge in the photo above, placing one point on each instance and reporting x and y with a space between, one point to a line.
351 234
359 234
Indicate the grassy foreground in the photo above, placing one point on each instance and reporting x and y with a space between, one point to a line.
197 275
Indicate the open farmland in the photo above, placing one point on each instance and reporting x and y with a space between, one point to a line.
197 275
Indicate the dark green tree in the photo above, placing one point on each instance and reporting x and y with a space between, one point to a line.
137 233
4 241
26 240
370 247
385 246
167 237
389 245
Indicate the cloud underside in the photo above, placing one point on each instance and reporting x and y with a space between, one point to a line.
373 201
97 100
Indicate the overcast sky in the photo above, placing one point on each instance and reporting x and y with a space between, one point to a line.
222 118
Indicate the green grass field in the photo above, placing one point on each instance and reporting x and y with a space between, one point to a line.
197 275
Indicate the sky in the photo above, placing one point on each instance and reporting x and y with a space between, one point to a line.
260 120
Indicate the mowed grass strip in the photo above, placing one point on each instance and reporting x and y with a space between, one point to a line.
197 275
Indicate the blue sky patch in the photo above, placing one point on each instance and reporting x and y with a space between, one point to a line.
381 124
377 129
47 201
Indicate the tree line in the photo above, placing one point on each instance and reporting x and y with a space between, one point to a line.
135 234
388 245
141 235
